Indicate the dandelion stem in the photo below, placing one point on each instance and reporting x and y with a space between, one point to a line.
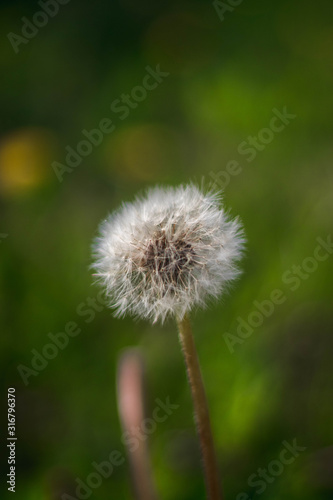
130 395
200 409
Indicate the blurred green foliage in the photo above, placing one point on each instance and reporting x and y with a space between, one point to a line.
225 79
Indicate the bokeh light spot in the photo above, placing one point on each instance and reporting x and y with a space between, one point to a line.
25 160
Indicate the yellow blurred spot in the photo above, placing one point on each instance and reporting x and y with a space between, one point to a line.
144 152
25 159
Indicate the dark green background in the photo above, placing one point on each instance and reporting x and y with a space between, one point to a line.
225 79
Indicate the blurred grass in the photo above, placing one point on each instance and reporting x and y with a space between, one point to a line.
225 79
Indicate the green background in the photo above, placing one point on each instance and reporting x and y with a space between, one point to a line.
225 78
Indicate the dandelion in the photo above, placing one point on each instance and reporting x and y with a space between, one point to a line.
164 255
167 253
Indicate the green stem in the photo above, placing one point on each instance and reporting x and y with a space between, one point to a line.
200 409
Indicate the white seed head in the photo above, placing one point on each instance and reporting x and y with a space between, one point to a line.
167 253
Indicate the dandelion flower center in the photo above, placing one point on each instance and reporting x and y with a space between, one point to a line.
168 259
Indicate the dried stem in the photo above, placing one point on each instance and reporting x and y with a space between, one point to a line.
131 411
200 409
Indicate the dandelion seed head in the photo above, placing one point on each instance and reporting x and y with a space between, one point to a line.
167 253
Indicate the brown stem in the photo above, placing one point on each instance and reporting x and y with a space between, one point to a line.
200 409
